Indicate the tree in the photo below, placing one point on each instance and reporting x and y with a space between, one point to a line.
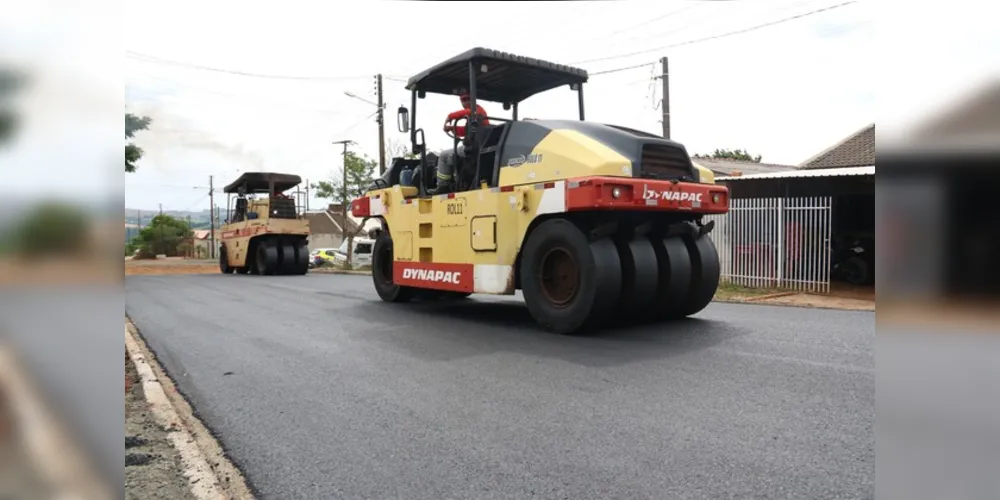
10 83
164 235
397 149
53 228
360 172
133 153
732 154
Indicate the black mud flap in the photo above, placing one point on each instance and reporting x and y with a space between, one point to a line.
704 229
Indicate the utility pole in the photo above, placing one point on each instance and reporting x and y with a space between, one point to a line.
381 125
665 103
307 195
211 216
347 234
159 241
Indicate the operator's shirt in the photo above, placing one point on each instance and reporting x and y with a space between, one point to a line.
460 130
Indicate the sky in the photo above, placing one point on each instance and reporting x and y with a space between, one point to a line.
785 91
236 86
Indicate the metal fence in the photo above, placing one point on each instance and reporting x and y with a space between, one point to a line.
776 243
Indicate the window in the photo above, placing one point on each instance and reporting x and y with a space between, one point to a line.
364 248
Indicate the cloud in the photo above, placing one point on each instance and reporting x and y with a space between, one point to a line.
168 133
785 91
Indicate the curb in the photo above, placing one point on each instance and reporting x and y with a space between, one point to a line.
800 306
770 296
202 481
340 271
50 448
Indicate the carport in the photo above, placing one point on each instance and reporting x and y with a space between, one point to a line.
817 215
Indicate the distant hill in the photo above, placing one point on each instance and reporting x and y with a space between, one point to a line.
198 219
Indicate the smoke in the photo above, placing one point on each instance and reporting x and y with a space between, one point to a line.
169 133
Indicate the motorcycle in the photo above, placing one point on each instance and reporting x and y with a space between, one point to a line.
850 263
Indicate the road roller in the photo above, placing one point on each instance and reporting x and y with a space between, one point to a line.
595 224
265 232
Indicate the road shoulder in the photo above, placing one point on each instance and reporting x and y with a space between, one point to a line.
199 457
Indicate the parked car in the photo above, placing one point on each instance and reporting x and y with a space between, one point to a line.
361 254
321 256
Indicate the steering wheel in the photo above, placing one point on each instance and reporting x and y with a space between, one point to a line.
454 124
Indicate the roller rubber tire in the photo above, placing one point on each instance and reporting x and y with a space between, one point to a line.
224 266
673 278
267 258
705 273
286 258
591 272
382 257
640 273
301 258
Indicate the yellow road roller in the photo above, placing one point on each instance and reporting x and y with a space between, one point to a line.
265 233
595 224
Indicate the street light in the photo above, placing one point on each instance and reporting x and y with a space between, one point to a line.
345 230
355 96
380 120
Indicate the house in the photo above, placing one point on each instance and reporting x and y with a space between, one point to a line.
326 227
856 150
938 204
735 168
785 228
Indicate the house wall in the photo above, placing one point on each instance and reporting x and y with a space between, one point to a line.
821 186
844 209
324 241
202 249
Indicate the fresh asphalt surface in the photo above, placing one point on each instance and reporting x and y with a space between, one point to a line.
317 389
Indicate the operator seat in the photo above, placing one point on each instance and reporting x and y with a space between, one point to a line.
241 210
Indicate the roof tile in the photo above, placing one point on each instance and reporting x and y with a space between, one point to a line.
858 150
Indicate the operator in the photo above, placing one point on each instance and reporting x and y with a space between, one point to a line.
446 161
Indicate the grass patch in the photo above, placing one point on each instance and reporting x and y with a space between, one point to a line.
733 292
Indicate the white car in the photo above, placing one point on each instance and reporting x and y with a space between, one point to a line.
361 254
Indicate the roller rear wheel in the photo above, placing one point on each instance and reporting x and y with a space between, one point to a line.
570 284
287 258
267 258
301 258
673 277
705 273
640 279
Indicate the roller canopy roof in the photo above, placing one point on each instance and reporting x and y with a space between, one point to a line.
260 182
501 77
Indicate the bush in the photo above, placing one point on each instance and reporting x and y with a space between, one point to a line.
52 229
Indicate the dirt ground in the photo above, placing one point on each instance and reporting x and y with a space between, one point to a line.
18 479
152 466
849 299
171 266
820 301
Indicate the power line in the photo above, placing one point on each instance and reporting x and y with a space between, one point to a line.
716 37
607 71
356 125
644 23
263 102
158 60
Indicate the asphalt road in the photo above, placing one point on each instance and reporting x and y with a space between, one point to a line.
319 390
